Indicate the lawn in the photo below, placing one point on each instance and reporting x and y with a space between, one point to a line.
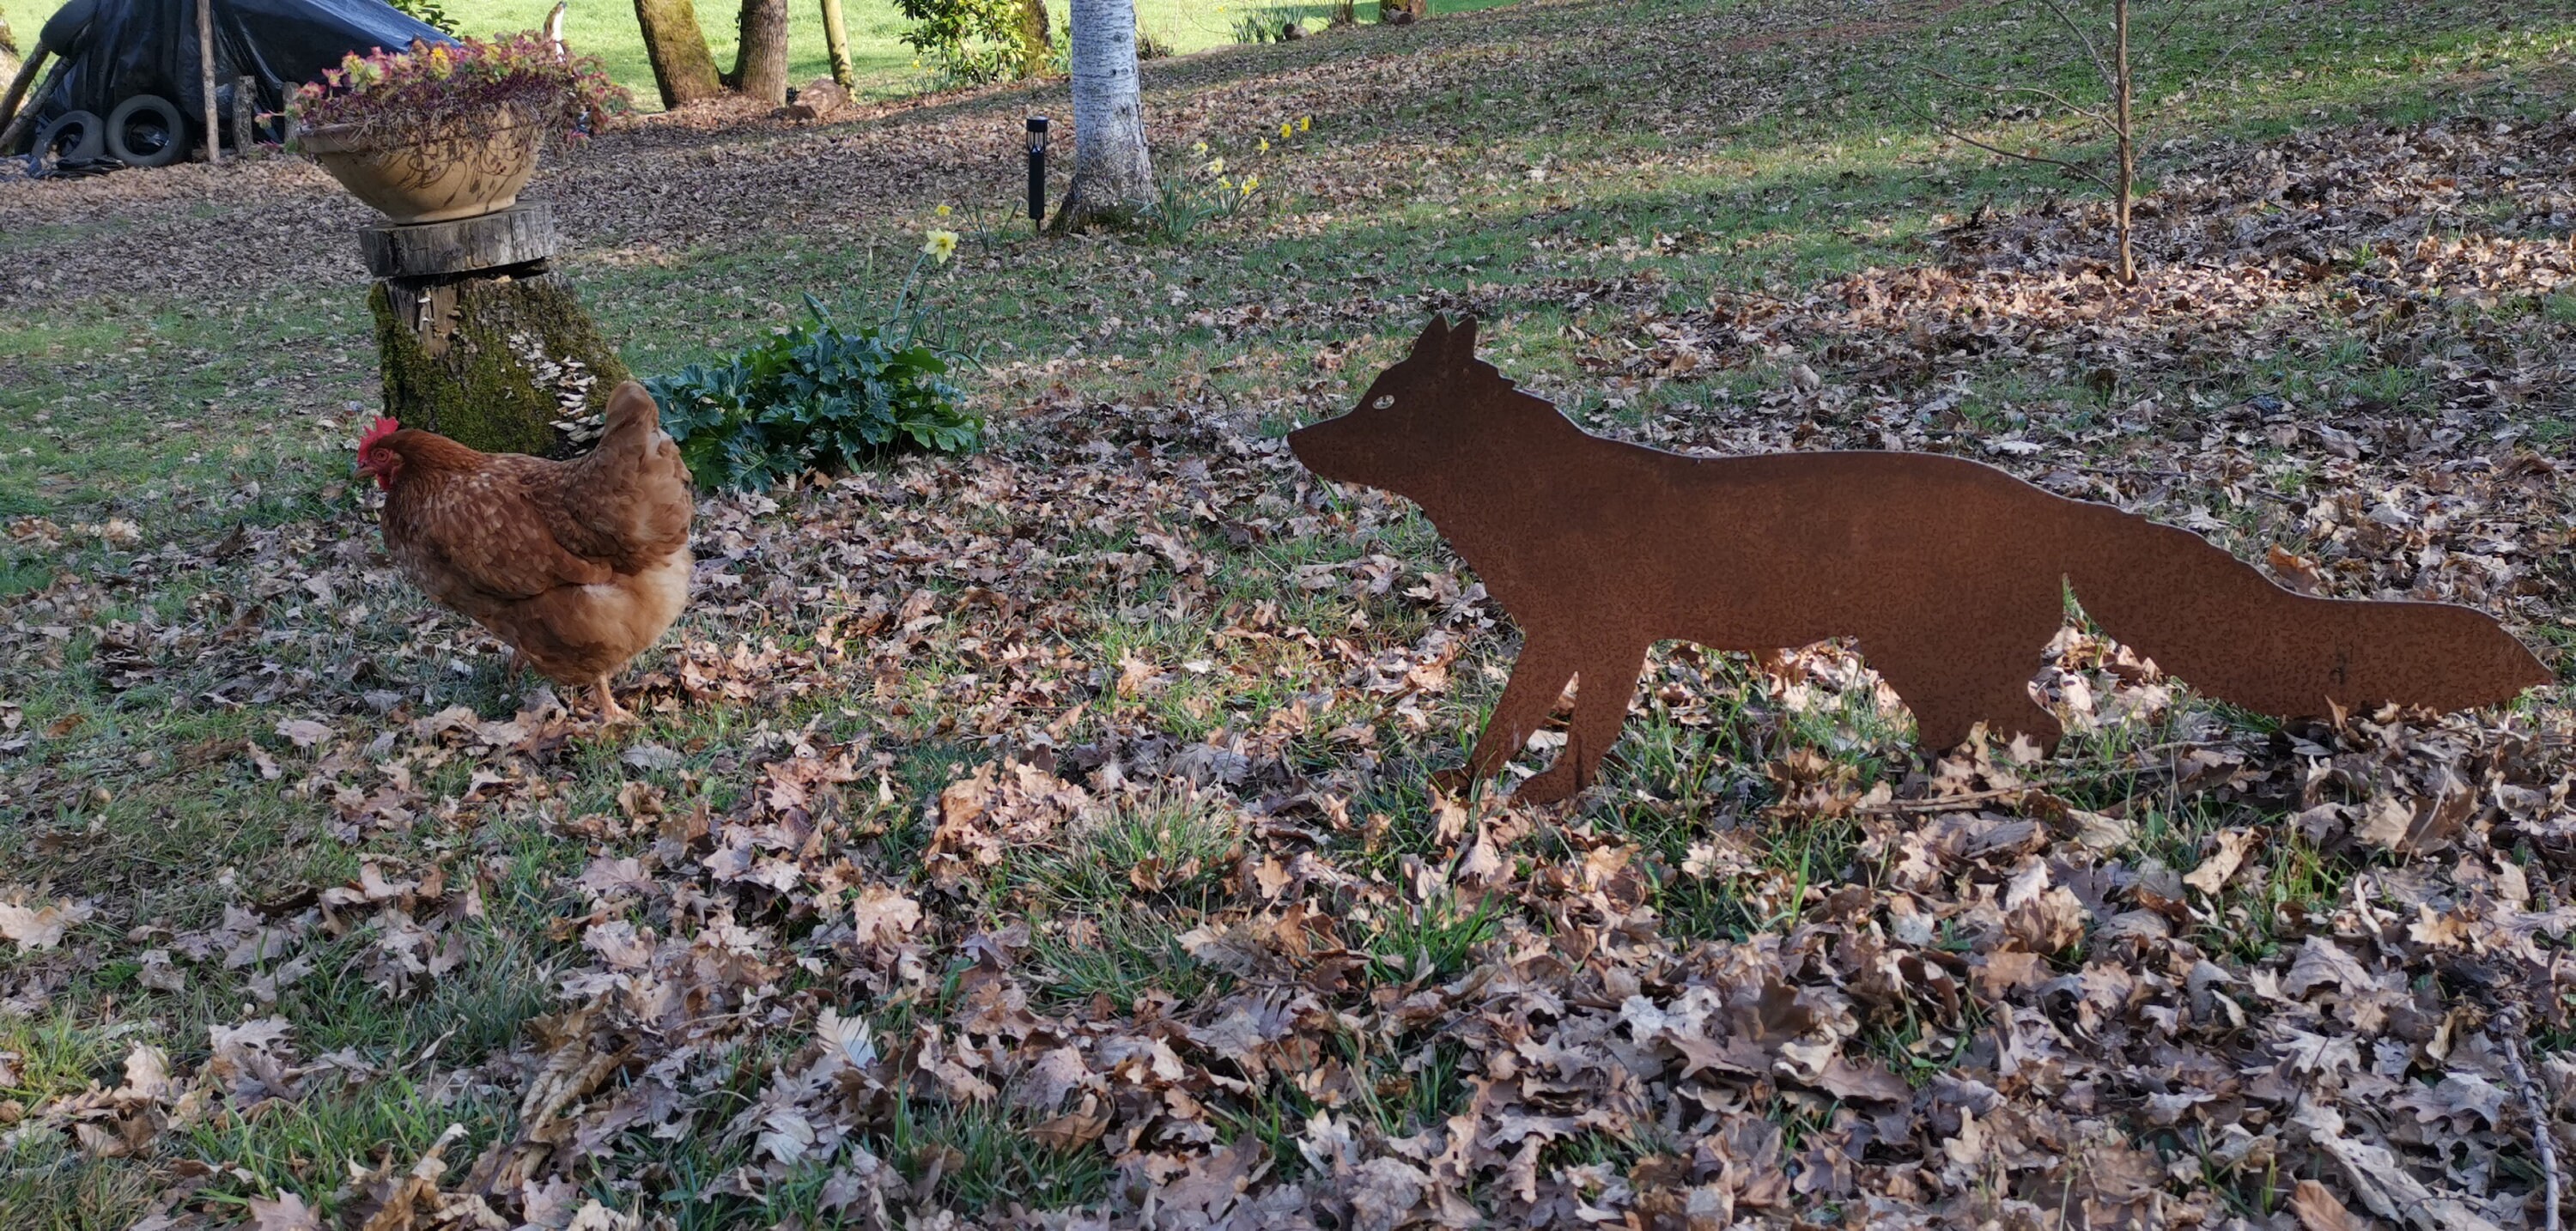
886 66
1051 829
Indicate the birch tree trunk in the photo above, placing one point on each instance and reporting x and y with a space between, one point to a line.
683 70
1113 178
760 62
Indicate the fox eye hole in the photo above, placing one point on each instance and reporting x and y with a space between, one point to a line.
1383 401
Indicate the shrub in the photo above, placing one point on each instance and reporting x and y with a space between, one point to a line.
975 42
820 396
400 97
430 13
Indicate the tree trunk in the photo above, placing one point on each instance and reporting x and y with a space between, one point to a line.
505 365
1037 47
760 60
1113 177
2128 173
836 44
683 70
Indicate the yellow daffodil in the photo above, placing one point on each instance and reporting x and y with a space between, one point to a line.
1305 122
1222 184
942 211
940 246
1264 147
1200 148
1216 166
1250 182
1285 130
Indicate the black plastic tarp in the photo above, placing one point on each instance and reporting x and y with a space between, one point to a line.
113 50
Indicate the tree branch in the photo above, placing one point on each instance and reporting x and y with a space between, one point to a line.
2092 51
1948 130
2051 95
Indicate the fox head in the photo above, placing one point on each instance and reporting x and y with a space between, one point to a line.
1418 417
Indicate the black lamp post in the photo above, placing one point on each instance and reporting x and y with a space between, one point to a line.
1037 169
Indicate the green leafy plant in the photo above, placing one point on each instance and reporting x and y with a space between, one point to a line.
1268 23
974 42
822 396
429 12
431 89
1184 199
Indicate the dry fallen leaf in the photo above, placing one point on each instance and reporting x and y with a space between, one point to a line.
41 927
287 1212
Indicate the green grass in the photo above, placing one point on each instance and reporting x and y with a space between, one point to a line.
885 66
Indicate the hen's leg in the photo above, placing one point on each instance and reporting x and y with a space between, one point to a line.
609 709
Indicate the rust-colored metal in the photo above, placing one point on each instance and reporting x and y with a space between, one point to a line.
1948 574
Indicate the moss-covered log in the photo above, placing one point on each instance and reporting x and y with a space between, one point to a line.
504 364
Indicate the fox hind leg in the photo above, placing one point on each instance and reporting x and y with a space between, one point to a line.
1953 683
1600 709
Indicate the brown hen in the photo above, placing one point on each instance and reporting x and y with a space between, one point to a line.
576 565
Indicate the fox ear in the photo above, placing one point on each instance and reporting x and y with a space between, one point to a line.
1462 343
1434 342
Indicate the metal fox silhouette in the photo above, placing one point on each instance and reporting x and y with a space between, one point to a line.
1947 573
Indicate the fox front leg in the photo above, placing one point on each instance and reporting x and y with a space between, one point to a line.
1600 709
1538 679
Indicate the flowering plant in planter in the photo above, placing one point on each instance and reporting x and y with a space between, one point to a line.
444 130
392 97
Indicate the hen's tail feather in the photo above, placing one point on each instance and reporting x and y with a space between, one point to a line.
632 488
2228 631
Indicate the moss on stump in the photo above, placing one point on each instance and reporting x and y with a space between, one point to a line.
500 364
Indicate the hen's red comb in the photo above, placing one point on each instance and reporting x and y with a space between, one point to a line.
384 427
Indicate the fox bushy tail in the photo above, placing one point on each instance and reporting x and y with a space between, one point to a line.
2224 628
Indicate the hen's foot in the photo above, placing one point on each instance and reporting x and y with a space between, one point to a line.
609 710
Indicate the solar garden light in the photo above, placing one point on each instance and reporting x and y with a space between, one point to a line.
1037 169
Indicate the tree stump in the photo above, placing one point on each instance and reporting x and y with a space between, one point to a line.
481 344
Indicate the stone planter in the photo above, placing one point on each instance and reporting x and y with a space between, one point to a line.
469 170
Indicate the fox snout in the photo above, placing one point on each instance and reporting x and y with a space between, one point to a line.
1336 449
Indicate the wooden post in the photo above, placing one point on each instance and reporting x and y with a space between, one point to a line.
206 78
12 120
245 115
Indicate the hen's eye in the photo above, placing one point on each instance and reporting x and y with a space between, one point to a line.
1383 401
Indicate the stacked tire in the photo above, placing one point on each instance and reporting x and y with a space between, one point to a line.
144 131
74 136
